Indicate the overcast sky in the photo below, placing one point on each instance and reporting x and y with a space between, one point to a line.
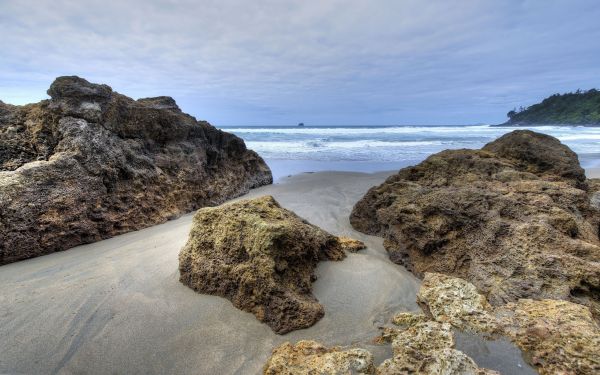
279 62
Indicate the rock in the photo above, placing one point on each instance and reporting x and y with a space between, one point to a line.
351 245
455 301
559 337
310 357
539 154
427 348
90 163
517 219
262 258
406 319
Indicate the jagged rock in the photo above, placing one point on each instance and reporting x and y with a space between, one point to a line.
517 219
455 301
262 258
559 337
310 357
90 163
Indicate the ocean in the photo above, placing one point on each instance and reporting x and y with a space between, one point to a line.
291 150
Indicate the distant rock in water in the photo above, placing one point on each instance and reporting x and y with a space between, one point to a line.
578 108
90 163
518 219
262 258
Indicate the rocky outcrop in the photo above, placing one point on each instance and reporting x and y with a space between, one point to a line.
262 258
518 219
309 357
559 337
90 163
419 347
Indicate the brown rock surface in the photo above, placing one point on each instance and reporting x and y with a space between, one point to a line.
517 219
90 163
262 258
309 357
559 337
452 300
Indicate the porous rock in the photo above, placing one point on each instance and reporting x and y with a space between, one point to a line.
310 357
262 258
559 337
90 163
426 347
518 219
455 301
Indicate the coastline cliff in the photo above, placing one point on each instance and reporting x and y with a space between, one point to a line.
578 108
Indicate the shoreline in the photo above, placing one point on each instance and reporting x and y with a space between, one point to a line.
117 306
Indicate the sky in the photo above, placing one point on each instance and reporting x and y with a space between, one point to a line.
321 62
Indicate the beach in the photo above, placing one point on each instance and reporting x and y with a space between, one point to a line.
117 306
299 188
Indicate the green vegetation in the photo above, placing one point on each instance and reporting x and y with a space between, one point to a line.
575 108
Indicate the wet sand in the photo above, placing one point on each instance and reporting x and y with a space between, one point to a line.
592 172
116 306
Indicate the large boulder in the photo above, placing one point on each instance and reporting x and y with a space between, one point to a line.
262 258
517 219
90 163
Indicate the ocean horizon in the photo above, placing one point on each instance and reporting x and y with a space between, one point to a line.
290 150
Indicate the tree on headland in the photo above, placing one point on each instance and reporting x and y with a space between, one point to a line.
574 108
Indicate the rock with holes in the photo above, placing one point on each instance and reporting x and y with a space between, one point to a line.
310 357
426 347
518 219
559 337
262 258
90 163
452 300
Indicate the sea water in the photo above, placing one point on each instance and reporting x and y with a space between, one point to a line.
293 149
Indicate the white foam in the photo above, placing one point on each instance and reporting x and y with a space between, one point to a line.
398 143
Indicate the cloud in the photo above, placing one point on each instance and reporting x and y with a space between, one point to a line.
331 61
